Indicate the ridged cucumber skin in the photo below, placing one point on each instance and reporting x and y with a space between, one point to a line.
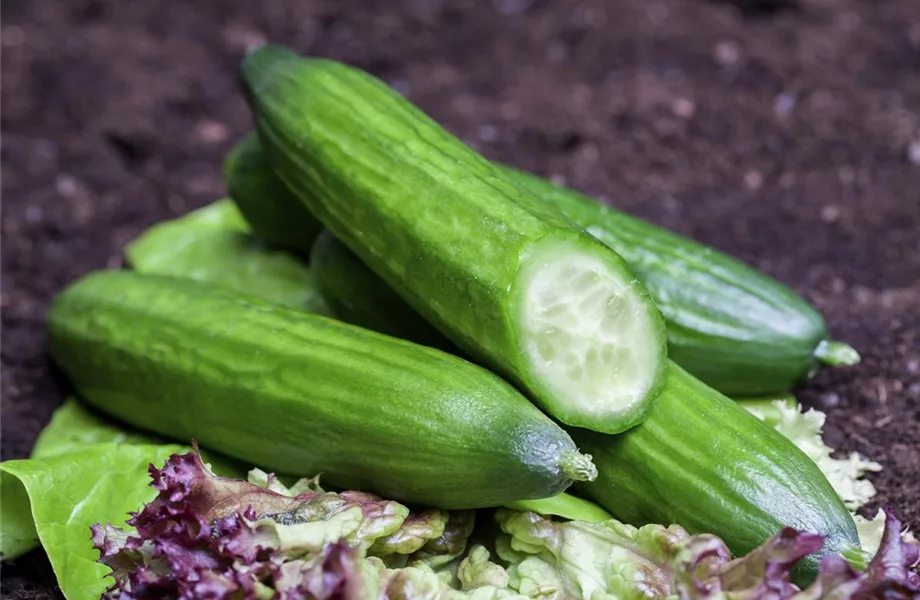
702 461
273 213
738 330
303 394
439 223
215 245
698 459
356 295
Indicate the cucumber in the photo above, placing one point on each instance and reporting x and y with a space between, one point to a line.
500 273
357 296
733 327
702 461
282 221
302 394
697 459
214 244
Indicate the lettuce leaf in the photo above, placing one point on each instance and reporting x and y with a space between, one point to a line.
73 426
208 536
613 560
72 429
68 493
214 244
566 506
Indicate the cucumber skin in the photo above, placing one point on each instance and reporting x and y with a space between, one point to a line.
437 222
272 212
663 471
302 394
731 326
702 461
215 245
734 328
356 295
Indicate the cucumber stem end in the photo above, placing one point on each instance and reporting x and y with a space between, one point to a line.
577 466
836 354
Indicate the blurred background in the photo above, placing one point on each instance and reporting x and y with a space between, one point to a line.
784 132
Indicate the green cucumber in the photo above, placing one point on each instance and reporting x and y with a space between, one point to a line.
697 460
282 221
733 327
702 461
302 394
357 296
214 244
500 273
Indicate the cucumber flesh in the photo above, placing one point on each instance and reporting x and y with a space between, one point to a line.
584 331
731 326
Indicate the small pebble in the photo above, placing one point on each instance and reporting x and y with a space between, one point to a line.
913 152
683 108
488 133
753 179
784 104
66 185
212 132
830 400
727 53
830 213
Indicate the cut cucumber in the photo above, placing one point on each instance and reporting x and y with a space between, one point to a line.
475 254
584 330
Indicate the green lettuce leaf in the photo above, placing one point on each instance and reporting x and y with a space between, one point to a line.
214 244
73 427
68 493
566 506
589 560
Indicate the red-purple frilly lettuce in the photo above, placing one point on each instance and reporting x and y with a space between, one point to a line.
207 537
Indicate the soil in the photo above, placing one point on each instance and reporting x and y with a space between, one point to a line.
786 133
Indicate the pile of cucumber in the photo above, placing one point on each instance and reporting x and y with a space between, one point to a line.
378 303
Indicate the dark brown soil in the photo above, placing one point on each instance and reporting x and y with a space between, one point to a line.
778 131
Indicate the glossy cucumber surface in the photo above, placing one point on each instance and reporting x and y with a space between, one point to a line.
303 394
702 461
272 212
733 327
500 273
